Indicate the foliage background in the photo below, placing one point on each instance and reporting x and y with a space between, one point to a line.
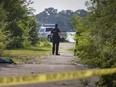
96 38
62 18
18 20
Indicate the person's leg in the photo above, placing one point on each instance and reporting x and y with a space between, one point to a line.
57 48
53 47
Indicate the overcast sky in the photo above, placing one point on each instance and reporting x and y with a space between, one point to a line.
40 5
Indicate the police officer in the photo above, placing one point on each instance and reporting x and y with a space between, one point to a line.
55 35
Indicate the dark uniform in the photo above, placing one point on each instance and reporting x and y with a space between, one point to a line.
55 39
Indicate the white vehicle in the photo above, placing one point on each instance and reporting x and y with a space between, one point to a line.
45 31
70 36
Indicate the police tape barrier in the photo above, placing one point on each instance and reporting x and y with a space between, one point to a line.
50 77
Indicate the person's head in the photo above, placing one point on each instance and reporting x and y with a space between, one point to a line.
56 25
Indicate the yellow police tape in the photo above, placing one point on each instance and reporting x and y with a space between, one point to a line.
50 77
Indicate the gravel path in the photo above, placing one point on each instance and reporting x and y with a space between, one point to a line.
51 63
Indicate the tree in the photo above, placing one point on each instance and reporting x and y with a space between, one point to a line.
63 18
33 33
19 22
96 38
51 11
3 34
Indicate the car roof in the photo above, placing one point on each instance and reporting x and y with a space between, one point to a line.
48 25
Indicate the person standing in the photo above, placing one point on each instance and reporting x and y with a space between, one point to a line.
55 35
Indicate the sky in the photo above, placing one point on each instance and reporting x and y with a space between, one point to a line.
40 5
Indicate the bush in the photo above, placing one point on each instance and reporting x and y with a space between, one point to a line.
96 38
3 34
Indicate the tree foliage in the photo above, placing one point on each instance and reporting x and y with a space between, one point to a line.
96 37
3 23
20 23
63 18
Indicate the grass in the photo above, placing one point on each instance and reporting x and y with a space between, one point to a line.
24 55
27 52
71 49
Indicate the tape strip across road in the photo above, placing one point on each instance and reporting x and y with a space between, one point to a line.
50 77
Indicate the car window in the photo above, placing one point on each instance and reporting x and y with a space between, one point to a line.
41 30
49 29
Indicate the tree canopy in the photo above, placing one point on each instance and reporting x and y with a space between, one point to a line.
19 22
63 18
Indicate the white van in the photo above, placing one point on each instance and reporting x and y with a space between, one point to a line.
45 30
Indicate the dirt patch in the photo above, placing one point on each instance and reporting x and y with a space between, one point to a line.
49 64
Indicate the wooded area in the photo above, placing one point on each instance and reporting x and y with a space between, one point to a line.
17 24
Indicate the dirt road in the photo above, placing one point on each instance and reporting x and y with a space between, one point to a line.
51 63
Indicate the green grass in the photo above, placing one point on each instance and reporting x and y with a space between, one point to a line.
27 52
23 55
71 49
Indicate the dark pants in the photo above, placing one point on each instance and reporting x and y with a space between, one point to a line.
55 47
